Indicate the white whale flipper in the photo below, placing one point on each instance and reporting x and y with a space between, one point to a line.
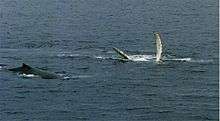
158 47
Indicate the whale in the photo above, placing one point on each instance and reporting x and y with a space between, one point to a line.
159 49
28 70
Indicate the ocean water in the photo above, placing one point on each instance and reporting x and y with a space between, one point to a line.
74 39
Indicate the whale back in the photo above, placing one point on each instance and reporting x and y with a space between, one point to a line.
26 69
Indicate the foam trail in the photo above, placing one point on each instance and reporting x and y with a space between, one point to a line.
68 55
189 60
178 59
76 77
105 58
202 61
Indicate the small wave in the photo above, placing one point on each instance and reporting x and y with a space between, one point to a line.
137 108
100 57
15 112
105 58
2 66
68 55
110 52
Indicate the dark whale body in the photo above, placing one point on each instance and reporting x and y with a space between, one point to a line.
26 69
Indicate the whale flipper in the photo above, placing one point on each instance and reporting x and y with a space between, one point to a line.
121 53
159 47
26 69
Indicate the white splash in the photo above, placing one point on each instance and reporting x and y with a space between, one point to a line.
27 75
152 58
141 57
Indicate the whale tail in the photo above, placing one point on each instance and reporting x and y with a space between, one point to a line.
159 47
121 53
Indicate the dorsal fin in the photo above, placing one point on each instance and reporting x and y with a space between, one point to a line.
25 66
159 46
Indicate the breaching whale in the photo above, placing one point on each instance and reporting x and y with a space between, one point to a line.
26 69
159 49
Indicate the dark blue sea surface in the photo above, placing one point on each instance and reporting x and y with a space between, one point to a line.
74 39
